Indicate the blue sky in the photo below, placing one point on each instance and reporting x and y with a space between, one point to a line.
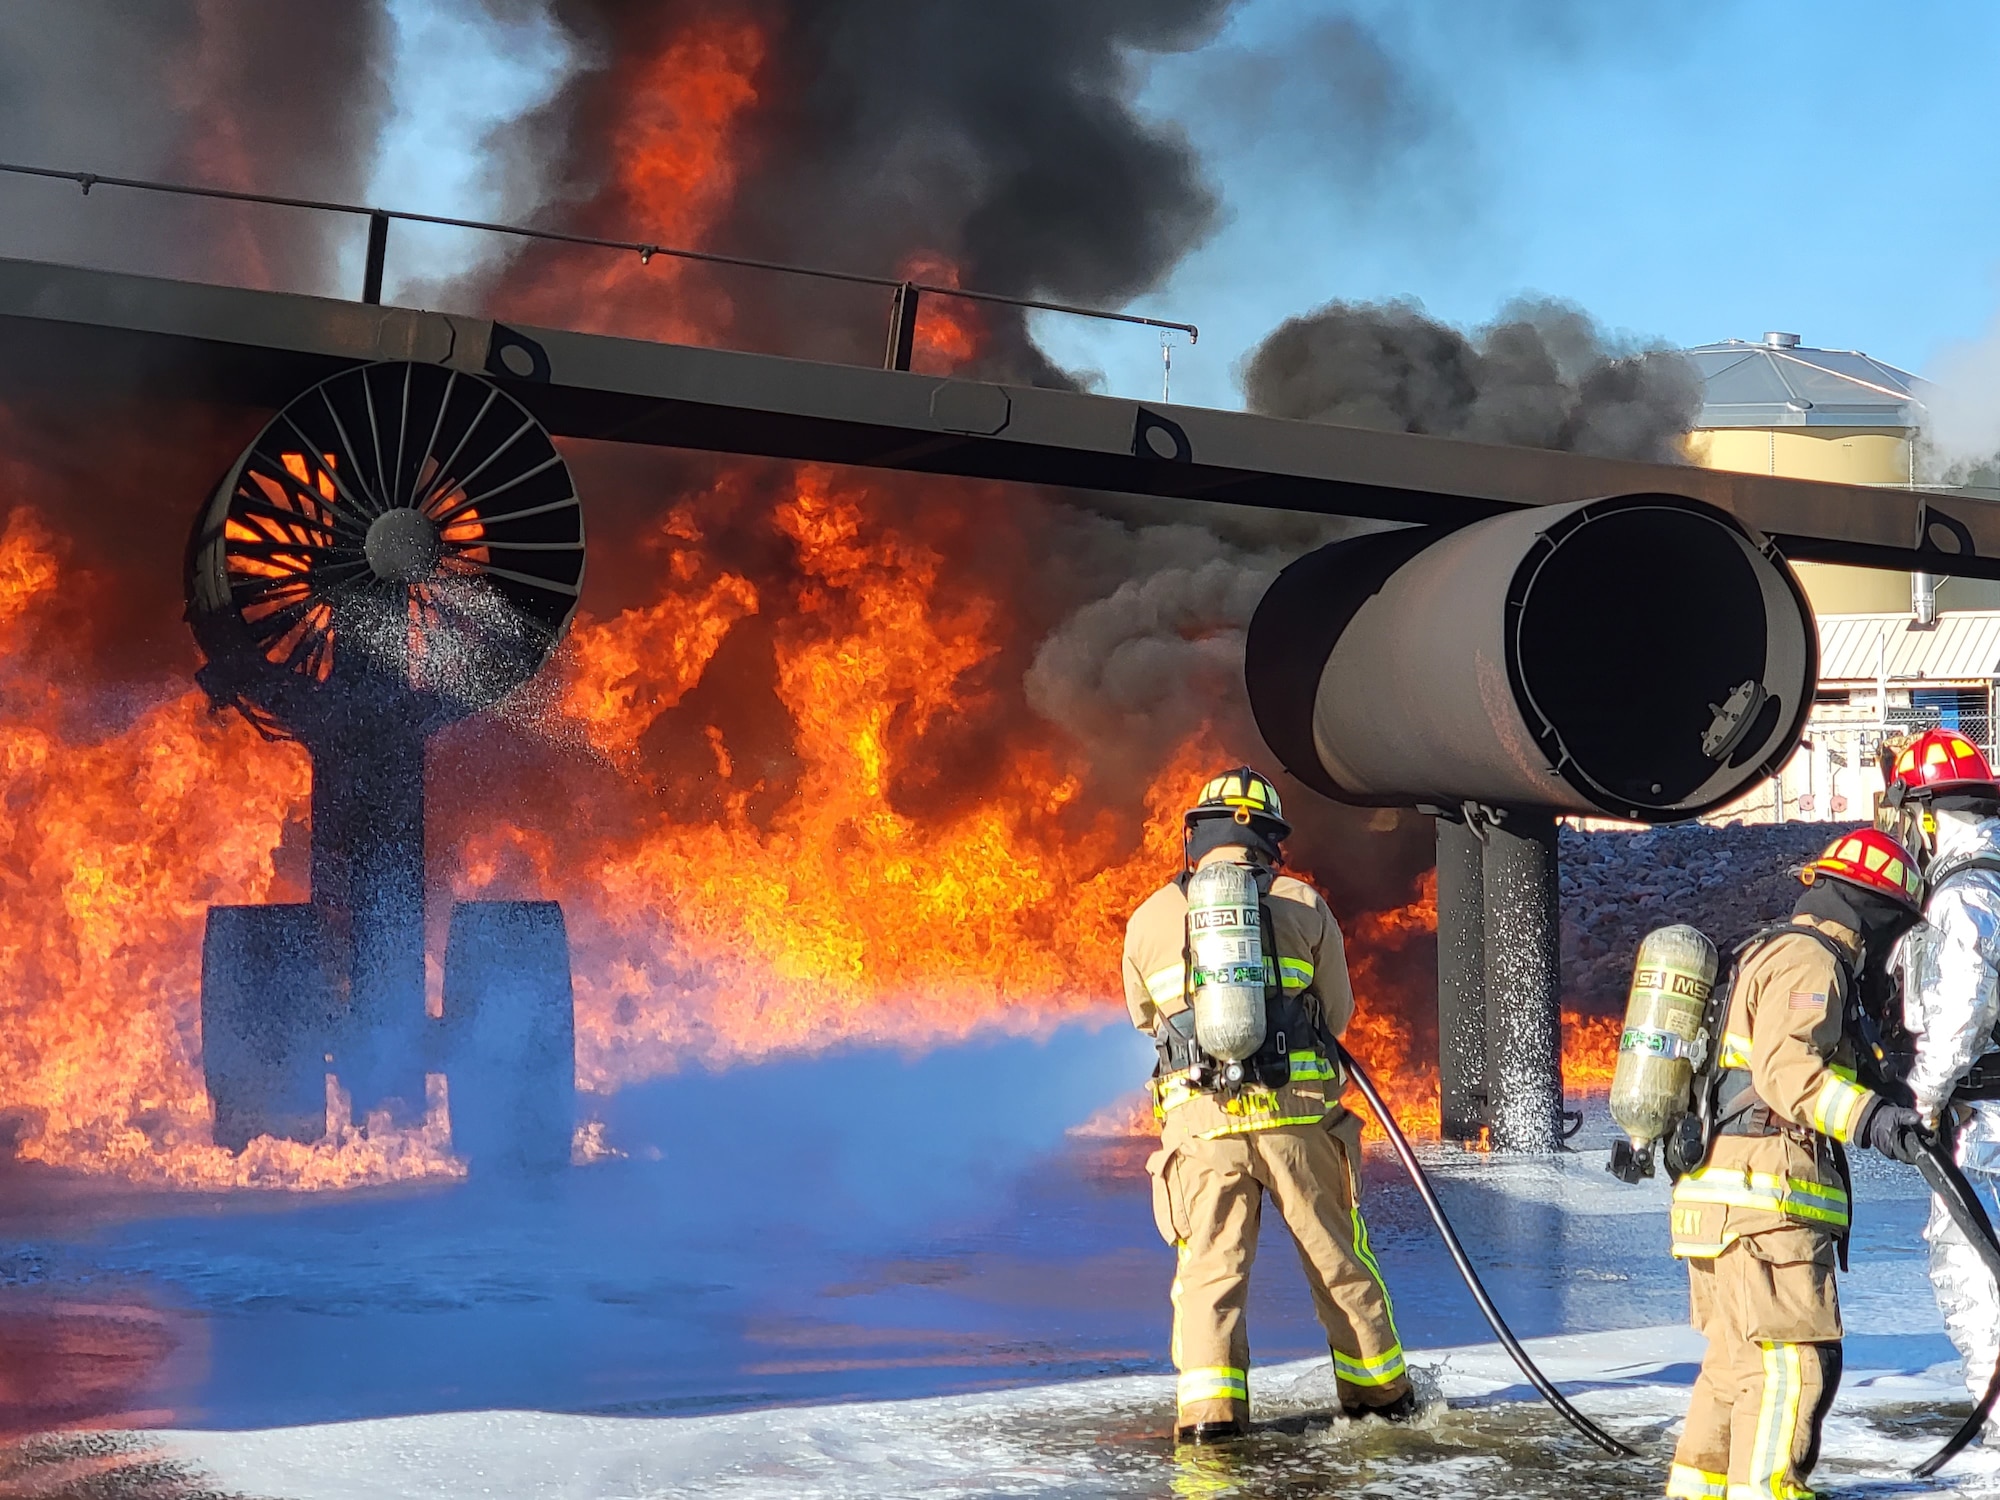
1684 171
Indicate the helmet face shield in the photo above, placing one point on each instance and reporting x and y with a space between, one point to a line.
1911 823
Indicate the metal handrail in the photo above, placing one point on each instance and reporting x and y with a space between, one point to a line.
902 318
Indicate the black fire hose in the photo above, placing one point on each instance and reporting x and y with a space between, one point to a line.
1961 1201
1501 1331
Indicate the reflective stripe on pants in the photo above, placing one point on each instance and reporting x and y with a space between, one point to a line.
1755 1413
1216 1382
1687 1483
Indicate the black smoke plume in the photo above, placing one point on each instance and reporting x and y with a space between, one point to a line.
1000 138
270 96
1543 375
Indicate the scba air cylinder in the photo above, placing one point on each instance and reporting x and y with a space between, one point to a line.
1226 946
1664 1040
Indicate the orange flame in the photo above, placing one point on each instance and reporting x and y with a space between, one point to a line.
1379 1035
677 159
839 919
621 680
950 331
712 938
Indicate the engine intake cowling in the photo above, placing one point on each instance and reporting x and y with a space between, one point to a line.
1642 657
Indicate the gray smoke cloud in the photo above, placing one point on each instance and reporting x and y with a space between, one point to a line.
1157 652
1133 670
275 96
1330 106
1542 375
1156 646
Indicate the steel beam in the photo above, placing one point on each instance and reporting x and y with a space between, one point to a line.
103 331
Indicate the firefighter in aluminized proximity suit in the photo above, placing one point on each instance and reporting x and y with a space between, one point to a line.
1760 1218
1283 1133
1951 1004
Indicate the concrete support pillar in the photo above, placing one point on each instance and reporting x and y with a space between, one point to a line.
1523 984
1461 962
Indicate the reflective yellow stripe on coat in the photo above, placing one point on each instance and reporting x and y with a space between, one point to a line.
1307 1066
1736 1187
1253 1109
1837 1106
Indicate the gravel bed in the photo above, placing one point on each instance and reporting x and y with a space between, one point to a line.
1617 887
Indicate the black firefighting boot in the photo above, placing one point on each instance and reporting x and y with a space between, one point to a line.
1209 1432
1402 1409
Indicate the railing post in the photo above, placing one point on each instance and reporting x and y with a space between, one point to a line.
378 253
902 328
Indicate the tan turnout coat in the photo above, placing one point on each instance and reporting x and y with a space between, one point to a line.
1311 960
1784 1024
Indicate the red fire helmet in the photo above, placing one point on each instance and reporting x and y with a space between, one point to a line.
1874 861
1941 762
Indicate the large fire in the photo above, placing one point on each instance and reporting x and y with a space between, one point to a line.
719 914
713 939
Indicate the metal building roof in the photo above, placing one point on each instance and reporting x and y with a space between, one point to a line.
1779 383
1964 646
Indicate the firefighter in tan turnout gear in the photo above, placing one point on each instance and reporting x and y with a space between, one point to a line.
1763 1214
1246 1110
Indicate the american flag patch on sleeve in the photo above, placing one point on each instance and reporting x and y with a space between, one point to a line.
1808 1000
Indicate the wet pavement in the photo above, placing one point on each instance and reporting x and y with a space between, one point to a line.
814 1250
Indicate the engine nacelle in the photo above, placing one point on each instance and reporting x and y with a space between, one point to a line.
1643 657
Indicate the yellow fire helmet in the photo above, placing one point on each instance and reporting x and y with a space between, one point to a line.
1244 795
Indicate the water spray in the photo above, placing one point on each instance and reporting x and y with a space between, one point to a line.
1408 1156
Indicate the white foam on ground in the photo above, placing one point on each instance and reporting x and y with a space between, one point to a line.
1101 1437
1575 1182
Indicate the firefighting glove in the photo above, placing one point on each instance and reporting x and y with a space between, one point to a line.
1896 1132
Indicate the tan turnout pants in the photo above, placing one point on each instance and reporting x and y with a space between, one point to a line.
1208 1200
1769 1310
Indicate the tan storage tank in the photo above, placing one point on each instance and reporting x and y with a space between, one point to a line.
1779 407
